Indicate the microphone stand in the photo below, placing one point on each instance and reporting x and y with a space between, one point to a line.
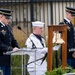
33 45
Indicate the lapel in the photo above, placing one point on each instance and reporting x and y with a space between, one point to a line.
36 41
70 25
40 39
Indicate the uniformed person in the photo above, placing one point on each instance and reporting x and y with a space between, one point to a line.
70 13
7 41
37 42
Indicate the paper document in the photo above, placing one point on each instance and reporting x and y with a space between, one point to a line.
56 47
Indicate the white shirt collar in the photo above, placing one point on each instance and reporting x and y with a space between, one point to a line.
67 20
2 23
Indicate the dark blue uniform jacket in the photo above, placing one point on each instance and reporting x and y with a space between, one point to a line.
7 43
70 38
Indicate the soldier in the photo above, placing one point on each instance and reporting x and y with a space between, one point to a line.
70 13
7 41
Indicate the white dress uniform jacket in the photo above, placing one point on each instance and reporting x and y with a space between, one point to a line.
36 68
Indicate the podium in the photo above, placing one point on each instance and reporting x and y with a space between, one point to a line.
22 52
63 29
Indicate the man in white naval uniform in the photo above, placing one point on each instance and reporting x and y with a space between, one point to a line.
37 42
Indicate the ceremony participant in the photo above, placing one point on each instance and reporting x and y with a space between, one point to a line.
70 13
7 41
36 41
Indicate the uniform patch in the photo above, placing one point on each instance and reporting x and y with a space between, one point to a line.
3 32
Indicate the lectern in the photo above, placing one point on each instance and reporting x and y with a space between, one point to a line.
63 29
22 51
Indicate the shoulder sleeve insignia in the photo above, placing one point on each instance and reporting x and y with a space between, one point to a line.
3 32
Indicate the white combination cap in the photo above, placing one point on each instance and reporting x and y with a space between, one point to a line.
38 24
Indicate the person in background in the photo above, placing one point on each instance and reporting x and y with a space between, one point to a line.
7 41
70 14
36 41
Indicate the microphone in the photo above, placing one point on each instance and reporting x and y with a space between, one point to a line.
19 28
33 45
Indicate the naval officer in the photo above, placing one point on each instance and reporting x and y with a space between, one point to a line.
36 41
